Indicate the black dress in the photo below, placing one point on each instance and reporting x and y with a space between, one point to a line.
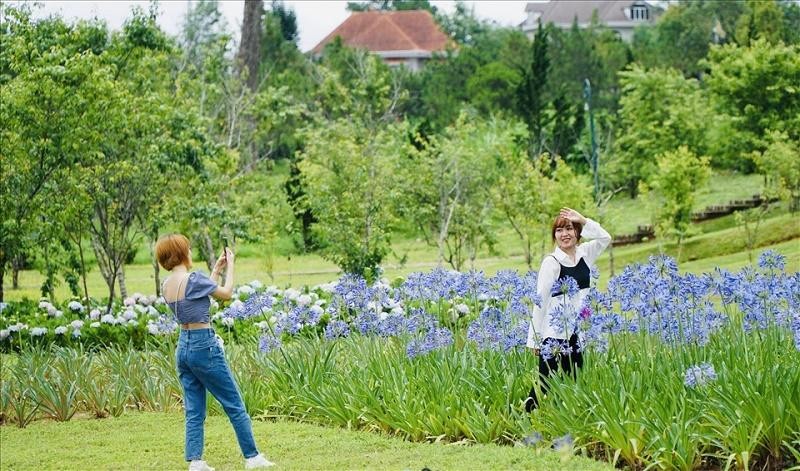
572 359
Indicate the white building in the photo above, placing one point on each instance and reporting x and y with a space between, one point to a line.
621 16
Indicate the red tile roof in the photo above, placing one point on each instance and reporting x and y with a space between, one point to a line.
411 30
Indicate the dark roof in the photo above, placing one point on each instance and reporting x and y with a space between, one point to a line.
412 30
565 11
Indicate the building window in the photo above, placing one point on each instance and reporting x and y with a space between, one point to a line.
640 13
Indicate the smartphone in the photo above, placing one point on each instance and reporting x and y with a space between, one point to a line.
226 244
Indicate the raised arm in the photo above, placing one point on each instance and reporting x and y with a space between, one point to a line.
225 260
599 238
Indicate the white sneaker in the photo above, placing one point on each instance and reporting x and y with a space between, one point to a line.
199 465
258 461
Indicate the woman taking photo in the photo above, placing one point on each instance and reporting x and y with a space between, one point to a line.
201 361
547 328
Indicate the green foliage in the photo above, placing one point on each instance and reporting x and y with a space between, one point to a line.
780 162
680 173
660 111
349 176
449 180
683 35
755 88
528 193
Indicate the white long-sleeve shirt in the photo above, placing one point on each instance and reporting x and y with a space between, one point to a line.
540 327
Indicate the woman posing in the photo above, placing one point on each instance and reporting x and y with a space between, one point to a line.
201 362
569 259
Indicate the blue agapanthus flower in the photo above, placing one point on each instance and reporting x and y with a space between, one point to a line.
336 329
771 260
268 343
565 286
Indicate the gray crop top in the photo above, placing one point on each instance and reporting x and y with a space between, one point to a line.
195 303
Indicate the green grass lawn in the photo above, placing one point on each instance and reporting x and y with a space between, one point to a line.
155 441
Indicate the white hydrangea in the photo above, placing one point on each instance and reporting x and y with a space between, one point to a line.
133 322
75 306
94 314
38 331
57 313
76 324
291 294
227 321
326 287
129 301
462 308
94 325
108 319
303 300
60 330
76 333
152 328
4 333
3 306
272 290
152 311
397 311
129 314
44 304
255 284
19 326
245 289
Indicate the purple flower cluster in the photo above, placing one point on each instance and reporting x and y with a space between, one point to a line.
650 299
497 329
336 329
433 339
268 343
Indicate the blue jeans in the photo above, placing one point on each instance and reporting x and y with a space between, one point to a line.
201 367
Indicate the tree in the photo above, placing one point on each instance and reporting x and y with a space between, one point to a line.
660 110
50 85
528 194
391 5
531 100
448 181
249 55
349 176
684 33
680 174
755 90
762 19
780 162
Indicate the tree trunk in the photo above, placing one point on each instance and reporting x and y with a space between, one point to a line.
2 277
209 245
123 289
611 259
250 46
14 277
156 271
16 265
83 271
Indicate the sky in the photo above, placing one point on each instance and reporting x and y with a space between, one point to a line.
315 18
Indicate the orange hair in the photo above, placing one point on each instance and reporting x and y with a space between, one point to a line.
562 222
173 250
